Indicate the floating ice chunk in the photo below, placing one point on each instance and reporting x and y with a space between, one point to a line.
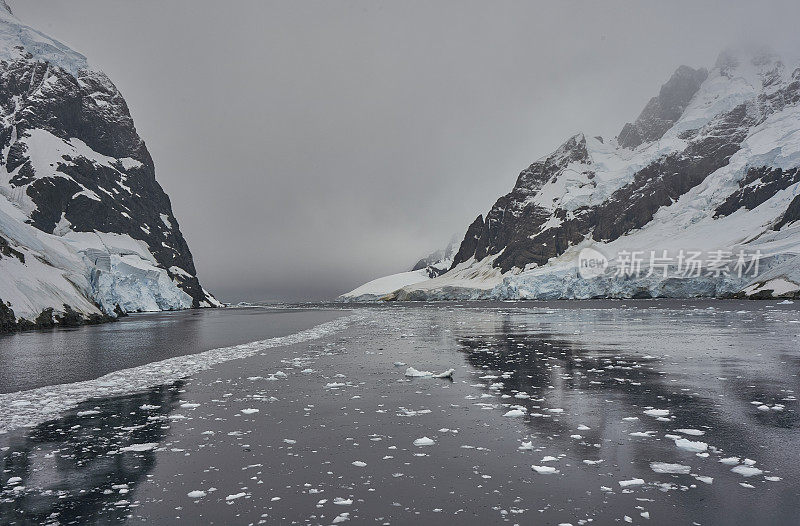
576 437
592 462
773 479
339 501
544 470
189 406
785 302
400 364
704 479
583 428
413 373
515 413
149 446
631 482
746 471
307 371
249 411
424 441
693 432
88 413
647 434
359 463
342 517
526 446
549 458
196 494
235 496
731 461
689 445
657 412
664 467
280 374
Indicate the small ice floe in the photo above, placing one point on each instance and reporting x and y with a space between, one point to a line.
307 371
515 413
544 470
424 441
689 445
196 494
88 413
746 471
646 434
773 479
339 501
576 437
290 441
189 405
730 461
675 469
400 364
630 418
631 482
704 479
592 462
786 302
359 463
413 373
235 496
583 428
692 432
342 517
657 413
526 446
149 446
249 411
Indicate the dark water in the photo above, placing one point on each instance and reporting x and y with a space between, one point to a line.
611 392
35 359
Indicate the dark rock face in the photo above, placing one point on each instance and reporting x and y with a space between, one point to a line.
120 195
665 109
757 187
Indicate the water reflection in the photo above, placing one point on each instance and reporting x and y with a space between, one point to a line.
84 467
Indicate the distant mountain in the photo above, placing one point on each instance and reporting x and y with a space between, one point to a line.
697 197
431 266
86 231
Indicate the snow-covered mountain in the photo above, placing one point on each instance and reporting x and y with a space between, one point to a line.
697 197
86 232
431 266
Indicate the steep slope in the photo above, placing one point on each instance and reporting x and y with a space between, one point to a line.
709 167
78 194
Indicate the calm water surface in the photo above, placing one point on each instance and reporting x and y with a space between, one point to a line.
649 412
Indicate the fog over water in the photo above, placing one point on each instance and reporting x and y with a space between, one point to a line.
308 147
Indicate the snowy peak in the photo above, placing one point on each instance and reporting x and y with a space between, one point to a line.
78 193
20 41
712 163
664 110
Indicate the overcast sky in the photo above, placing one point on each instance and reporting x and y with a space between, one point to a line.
308 147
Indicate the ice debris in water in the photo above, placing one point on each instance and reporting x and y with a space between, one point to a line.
196 494
631 482
746 471
544 470
689 445
657 412
413 373
664 467
424 441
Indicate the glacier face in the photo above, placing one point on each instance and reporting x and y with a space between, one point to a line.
84 225
712 164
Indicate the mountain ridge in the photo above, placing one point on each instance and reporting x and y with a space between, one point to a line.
78 194
713 149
